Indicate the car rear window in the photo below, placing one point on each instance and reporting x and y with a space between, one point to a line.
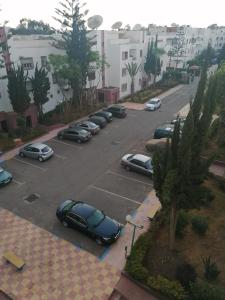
45 149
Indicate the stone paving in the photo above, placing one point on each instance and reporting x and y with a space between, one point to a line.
54 270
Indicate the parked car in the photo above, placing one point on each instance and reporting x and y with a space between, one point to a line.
100 121
37 151
5 177
117 110
74 134
86 125
153 104
164 131
90 220
138 162
105 114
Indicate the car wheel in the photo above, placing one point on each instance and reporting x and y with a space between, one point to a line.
65 224
60 137
79 141
99 241
40 159
21 154
128 168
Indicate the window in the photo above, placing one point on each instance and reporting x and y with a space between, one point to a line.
91 75
140 81
124 72
27 63
44 61
124 55
124 87
141 53
133 53
28 86
54 78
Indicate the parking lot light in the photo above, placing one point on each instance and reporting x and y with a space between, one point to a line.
135 225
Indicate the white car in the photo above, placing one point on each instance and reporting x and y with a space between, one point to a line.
153 104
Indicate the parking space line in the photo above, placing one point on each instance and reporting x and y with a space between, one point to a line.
29 164
114 194
67 144
128 178
59 156
18 182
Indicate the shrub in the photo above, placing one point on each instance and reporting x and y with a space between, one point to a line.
202 290
199 224
134 265
172 289
186 274
211 269
182 222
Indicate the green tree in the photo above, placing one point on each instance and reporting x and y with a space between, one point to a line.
132 69
18 94
76 43
40 87
221 57
28 26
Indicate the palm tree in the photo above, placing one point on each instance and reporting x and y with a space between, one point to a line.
132 70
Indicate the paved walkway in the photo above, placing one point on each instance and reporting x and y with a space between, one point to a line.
141 106
115 255
54 270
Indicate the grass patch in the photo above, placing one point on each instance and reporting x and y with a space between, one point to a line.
191 249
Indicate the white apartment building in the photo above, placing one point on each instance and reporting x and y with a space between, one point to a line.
119 48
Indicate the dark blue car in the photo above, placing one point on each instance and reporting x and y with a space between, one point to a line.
90 220
5 177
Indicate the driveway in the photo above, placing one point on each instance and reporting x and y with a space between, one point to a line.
90 172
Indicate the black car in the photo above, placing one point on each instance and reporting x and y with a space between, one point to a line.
117 110
105 114
90 220
75 134
164 131
86 125
100 121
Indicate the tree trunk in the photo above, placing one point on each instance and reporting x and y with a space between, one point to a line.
173 223
132 89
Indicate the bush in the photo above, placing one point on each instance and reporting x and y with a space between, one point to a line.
186 275
201 195
199 224
211 269
33 134
202 290
134 265
182 222
172 289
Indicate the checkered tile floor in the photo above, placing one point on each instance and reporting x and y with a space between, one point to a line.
54 270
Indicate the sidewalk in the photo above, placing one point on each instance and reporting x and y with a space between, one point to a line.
141 106
115 255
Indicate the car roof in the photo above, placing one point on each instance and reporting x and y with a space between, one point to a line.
83 209
37 145
117 106
166 126
97 118
154 100
141 157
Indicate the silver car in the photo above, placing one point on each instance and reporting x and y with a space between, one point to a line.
138 162
37 151
153 104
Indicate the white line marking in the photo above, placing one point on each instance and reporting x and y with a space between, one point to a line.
71 145
18 182
60 156
114 194
29 164
128 178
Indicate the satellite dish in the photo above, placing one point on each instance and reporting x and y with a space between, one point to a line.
137 27
94 22
117 25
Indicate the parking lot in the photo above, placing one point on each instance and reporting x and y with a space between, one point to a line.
90 172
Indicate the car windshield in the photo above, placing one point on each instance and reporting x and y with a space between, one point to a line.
45 149
149 164
95 218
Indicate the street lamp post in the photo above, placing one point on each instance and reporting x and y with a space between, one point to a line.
135 225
